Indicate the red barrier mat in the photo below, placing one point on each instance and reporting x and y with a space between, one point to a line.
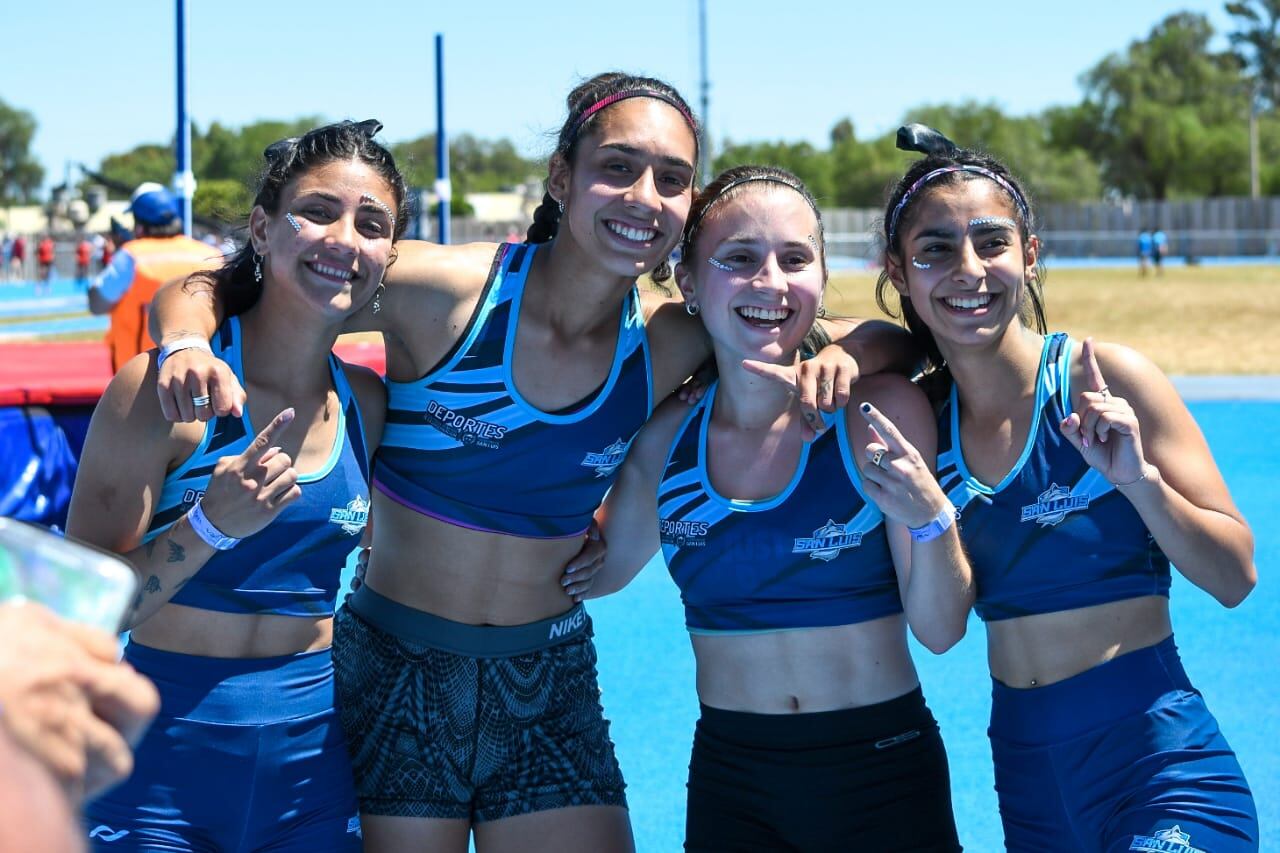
69 374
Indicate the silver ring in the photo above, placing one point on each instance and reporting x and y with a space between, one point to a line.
876 457
202 400
1105 390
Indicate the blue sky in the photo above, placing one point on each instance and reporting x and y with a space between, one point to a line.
99 77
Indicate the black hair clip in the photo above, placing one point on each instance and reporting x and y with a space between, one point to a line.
276 150
926 140
370 127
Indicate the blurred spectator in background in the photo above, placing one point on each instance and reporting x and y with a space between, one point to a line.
158 252
1159 248
84 253
1144 250
44 256
18 258
6 250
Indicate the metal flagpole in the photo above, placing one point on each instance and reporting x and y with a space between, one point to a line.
184 181
444 189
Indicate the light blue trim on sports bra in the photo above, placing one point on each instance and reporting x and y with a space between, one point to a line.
737 504
619 357
1047 383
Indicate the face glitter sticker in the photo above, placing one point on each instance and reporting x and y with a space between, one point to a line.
297 227
993 220
918 265
373 199
812 242
719 264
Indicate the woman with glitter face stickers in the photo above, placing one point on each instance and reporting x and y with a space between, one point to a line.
1079 475
518 374
800 564
240 525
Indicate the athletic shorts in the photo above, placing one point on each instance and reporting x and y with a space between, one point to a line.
1124 756
869 778
448 720
246 754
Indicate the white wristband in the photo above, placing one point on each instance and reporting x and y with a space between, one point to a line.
203 527
936 527
189 342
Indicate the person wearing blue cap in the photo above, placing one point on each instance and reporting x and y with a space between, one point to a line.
159 252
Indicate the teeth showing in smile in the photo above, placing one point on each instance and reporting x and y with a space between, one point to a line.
333 272
978 301
639 235
751 312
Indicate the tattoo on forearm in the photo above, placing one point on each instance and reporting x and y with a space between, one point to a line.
153 584
176 552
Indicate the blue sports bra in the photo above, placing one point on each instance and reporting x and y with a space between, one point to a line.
1054 534
461 444
291 567
814 555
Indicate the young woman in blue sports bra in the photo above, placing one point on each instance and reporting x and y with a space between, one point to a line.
518 375
240 525
1079 475
794 560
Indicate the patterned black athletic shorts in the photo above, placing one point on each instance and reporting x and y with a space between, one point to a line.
437 734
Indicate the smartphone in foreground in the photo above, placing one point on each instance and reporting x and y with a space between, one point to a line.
74 581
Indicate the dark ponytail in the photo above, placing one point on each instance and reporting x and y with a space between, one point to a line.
546 221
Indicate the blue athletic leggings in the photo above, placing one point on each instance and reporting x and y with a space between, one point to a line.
246 754
1124 756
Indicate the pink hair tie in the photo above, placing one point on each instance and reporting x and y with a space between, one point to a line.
610 100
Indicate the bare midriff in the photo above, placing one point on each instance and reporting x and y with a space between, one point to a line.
470 576
805 670
1032 651
209 633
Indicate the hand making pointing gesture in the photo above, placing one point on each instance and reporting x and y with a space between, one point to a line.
1104 428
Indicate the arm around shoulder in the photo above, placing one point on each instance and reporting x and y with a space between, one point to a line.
629 516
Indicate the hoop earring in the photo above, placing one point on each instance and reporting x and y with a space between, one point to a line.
822 311
691 308
377 297
257 267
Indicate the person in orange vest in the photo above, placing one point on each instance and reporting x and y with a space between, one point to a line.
159 252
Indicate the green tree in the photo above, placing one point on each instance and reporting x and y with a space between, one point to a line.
809 164
1161 103
20 173
1051 171
148 162
1257 44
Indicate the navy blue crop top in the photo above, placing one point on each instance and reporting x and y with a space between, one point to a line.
462 445
1054 534
814 555
292 566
